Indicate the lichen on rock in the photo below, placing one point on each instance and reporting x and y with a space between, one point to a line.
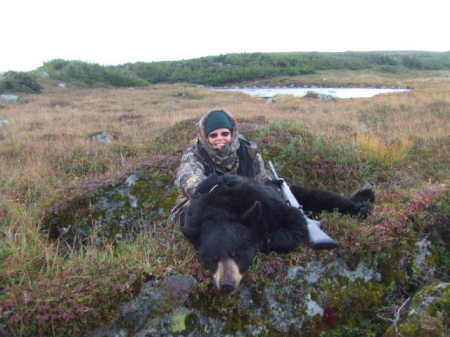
115 211
427 314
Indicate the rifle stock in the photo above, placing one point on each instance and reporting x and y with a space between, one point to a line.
317 237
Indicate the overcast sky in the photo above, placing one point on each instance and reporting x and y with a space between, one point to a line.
116 32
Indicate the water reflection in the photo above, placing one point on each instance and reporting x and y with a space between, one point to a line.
300 92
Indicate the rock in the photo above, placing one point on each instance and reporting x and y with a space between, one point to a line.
422 253
313 298
313 308
42 74
315 270
149 313
61 85
9 98
323 97
426 314
3 124
284 309
119 211
101 137
326 98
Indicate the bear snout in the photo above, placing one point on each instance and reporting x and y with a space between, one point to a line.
227 276
227 287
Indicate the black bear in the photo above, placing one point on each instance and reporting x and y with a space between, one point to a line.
239 217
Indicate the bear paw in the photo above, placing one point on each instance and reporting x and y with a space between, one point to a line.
364 194
365 209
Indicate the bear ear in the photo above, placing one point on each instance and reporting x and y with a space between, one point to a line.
253 215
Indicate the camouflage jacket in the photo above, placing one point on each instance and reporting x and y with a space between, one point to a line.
200 159
194 168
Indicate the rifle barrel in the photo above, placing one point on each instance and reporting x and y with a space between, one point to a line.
317 237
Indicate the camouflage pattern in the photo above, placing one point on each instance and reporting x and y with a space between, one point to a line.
263 175
193 168
190 172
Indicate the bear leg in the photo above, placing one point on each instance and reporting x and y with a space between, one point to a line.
317 201
283 241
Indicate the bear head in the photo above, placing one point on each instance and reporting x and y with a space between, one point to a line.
226 243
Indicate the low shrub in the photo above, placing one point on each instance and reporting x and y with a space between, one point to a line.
313 161
19 82
91 73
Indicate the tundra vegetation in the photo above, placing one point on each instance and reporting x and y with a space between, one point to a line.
233 69
400 142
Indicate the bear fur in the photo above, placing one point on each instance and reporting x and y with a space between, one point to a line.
239 217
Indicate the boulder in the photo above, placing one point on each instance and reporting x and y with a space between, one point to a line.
323 97
42 74
117 211
327 98
425 314
148 313
9 98
101 137
3 124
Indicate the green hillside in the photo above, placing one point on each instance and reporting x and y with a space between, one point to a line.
225 69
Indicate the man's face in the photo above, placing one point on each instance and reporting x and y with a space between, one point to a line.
219 138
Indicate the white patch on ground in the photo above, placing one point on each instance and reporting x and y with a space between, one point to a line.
312 307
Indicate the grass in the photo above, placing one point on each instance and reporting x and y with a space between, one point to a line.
385 154
47 156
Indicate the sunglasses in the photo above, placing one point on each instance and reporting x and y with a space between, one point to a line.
215 134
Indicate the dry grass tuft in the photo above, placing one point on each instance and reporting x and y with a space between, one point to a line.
386 155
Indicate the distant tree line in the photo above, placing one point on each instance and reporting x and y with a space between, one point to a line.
234 68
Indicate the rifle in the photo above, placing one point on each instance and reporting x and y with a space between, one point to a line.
317 237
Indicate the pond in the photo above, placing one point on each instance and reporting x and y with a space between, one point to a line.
300 92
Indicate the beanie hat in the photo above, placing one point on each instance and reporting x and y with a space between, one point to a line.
218 119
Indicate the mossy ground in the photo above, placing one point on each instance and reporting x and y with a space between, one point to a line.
50 292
